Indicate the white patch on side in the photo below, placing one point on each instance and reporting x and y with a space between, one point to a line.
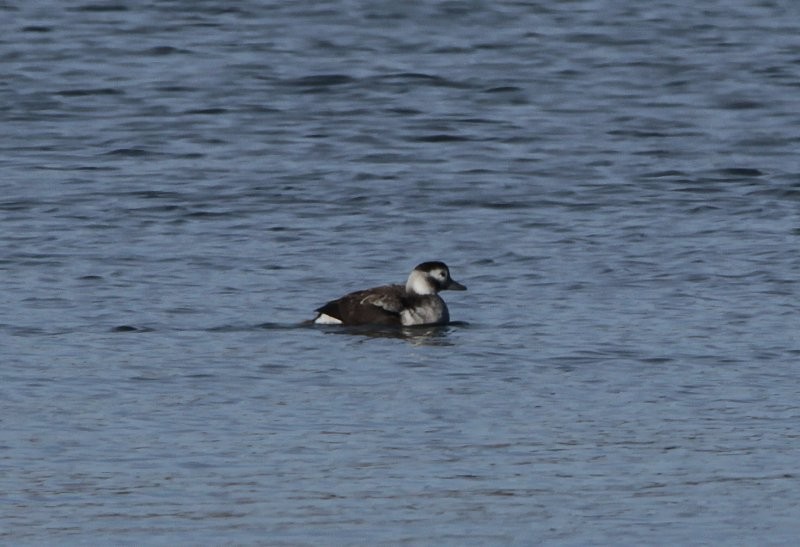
325 319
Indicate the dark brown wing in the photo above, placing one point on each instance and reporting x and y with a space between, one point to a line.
378 306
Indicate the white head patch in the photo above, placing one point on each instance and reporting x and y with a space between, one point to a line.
422 282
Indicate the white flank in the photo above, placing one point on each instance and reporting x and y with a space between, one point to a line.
324 319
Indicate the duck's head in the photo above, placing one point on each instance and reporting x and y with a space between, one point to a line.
432 277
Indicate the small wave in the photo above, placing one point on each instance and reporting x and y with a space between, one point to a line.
322 80
128 152
89 92
130 328
440 137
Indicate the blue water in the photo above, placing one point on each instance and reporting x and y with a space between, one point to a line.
182 183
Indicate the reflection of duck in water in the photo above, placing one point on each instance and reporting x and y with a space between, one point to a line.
416 303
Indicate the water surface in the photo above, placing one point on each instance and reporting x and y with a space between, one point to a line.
184 182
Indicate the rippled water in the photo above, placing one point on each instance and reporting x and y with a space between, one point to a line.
184 182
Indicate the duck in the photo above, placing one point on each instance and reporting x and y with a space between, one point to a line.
415 303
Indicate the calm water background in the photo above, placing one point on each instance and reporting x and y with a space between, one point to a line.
618 184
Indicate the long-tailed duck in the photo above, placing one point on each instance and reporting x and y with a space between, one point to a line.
416 303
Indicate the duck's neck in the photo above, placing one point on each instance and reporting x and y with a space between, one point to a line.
418 283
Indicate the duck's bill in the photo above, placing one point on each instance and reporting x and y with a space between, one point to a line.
455 286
